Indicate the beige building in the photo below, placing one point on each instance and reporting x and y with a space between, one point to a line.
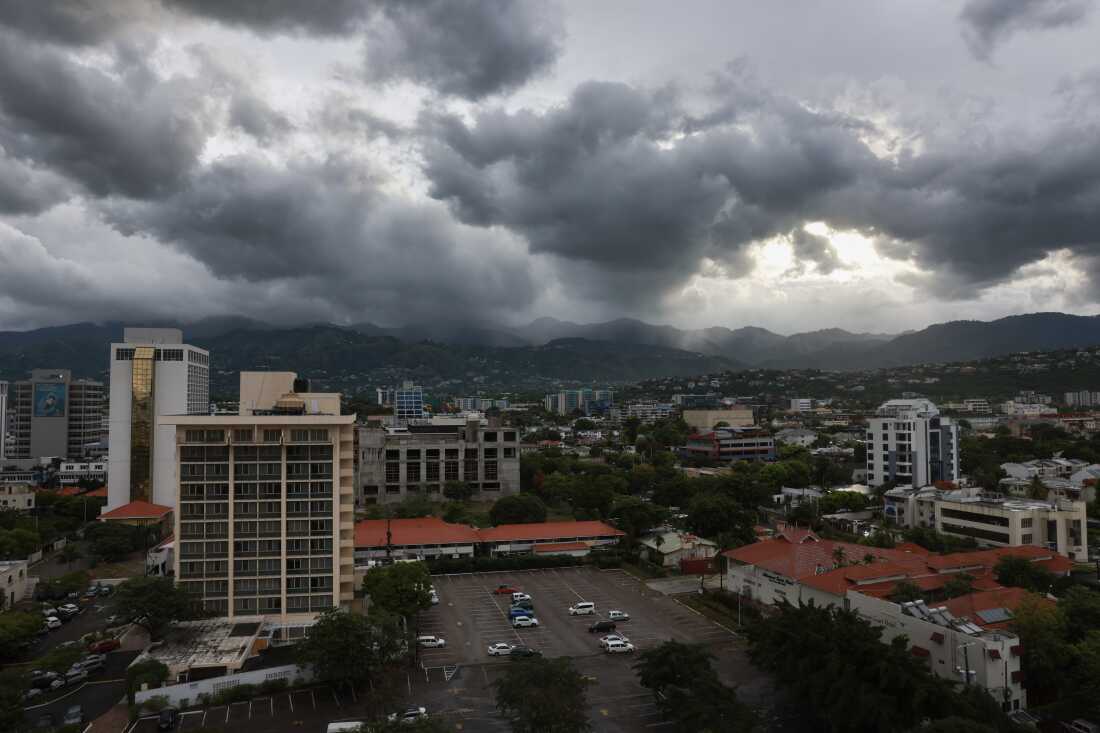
17 497
993 521
265 507
13 582
419 459
734 417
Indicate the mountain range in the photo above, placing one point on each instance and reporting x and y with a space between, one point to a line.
544 351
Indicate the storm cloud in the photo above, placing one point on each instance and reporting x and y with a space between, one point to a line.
989 22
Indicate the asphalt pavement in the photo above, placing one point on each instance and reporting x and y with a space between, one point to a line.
96 696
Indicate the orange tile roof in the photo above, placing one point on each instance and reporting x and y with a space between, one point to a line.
1048 559
548 531
551 547
70 490
137 510
420 531
1010 598
101 491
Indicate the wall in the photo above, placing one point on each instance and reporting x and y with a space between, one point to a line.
188 692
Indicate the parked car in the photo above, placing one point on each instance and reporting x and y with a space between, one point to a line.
523 604
53 622
104 646
505 590
517 611
57 684
612 638
520 596
47 612
615 615
601 626
500 649
431 642
31 694
106 590
522 622
522 652
619 647
434 596
75 676
93 661
168 718
42 680
73 716
584 608
409 715
68 610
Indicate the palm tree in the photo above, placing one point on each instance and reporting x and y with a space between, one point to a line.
840 557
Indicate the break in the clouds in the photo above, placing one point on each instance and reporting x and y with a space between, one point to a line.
498 160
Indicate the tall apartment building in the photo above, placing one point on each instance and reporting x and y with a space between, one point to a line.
418 459
153 373
910 443
408 403
1083 398
586 399
55 415
646 412
478 404
3 419
266 508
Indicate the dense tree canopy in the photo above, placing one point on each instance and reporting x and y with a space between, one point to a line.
541 695
154 603
520 508
401 589
340 648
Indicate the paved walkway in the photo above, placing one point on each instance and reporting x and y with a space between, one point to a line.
683 584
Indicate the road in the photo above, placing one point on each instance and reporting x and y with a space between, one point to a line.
102 691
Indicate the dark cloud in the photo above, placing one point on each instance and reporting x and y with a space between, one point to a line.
341 115
325 228
327 17
115 134
467 48
989 22
809 247
26 190
611 179
74 22
253 115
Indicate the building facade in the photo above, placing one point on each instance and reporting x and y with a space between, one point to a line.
731 444
408 403
646 412
17 497
13 581
265 519
55 415
71 472
910 443
734 417
3 419
153 373
418 460
586 400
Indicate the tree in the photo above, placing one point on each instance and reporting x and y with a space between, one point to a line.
413 507
544 696
840 557
154 603
16 544
636 517
457 490
584 423
1019 572
149 672
340 647
1046 653
711 514
69 554
1080 607
517 509
17 631
13 685
1036 489
401 589
905 591
959 585
707 706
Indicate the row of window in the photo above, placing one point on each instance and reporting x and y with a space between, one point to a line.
245 435
373 489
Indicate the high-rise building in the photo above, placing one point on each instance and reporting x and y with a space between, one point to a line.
586 400
266 507
3 418
55 415
153 373
408 403
910 443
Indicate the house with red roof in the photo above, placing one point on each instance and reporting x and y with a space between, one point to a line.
141 513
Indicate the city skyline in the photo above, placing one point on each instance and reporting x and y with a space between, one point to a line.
858 166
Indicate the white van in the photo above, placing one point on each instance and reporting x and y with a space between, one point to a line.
584 608
346 726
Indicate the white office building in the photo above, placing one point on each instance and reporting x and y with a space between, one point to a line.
802 404
908 442
153 373
3 418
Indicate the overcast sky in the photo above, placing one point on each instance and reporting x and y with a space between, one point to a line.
875 166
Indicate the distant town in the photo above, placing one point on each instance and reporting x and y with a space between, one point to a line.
204 539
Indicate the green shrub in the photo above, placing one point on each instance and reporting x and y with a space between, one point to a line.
270 687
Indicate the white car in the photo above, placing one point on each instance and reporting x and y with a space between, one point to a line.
69 608
433 596
53 622
521 622
431 642
47 612
409 716
619 647
584 608
612 638
520 596
500 649
614 615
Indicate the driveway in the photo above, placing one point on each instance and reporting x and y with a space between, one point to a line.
100 693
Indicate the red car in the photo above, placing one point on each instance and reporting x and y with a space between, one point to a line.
104 646
503 589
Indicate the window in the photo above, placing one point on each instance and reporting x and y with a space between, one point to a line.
490 437
124 355
412 472
393 472
450 454
490 470
450 471
242 435
393 488
318 435
412 454
432 472
509 452
273 436
299 436
393 455
471 454
432 454
1025 523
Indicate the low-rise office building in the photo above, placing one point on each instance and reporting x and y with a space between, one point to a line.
13 581
548 538
70 472
419 460
17 497
645 412
731 444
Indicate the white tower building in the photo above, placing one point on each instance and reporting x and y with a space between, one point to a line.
153 373
909 443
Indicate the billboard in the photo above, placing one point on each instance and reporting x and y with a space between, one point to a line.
49 400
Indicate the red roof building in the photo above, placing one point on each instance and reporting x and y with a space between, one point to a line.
139 512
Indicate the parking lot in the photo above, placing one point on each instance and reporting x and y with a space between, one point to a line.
299 710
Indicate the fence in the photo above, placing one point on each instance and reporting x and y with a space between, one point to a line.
187 693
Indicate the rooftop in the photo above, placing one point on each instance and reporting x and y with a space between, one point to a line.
548 531
137 510
216 642
421 531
